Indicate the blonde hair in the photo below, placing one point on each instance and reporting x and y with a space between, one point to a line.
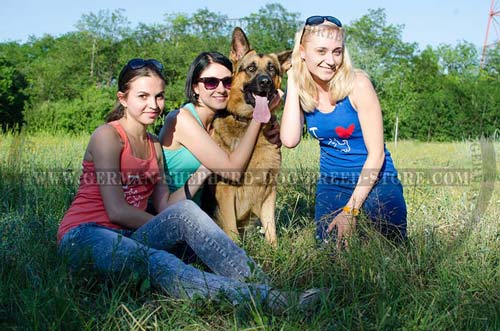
342 82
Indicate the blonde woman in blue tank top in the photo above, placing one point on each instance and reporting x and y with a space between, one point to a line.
341 111
187 144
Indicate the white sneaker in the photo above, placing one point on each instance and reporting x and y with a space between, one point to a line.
279 302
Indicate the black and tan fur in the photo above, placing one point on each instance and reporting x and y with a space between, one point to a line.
255 193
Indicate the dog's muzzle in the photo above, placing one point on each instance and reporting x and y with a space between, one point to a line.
262 85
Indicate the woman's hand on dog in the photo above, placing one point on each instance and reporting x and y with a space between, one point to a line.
272 132
275 102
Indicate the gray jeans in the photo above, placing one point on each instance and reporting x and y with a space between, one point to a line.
145 252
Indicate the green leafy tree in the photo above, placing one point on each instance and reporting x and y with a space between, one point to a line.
82 114
105 24
422 120
68 82
272 28
459 60
492 65
485 95
106 29
398 99
377 48
59 70
207 24
187 36
12 96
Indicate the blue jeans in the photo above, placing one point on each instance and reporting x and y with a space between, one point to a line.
385 205
145 252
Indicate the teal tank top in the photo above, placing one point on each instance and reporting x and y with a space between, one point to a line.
180 163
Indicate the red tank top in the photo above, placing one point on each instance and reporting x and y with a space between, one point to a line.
138 178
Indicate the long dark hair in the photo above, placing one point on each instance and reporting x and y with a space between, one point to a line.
200 63
127 75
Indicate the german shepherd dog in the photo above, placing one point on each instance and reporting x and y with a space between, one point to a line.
256 78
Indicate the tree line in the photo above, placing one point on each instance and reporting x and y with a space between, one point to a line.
67 83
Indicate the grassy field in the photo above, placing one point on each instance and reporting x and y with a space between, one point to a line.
446 278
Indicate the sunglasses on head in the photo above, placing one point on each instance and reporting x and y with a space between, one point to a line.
316 20
211 83
135 64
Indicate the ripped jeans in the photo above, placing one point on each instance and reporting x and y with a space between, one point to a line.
145 252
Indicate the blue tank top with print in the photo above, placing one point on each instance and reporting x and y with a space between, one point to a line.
342 148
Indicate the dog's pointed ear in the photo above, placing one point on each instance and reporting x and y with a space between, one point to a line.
285 60
239 45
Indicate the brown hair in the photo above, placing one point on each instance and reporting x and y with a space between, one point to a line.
126 77
199 64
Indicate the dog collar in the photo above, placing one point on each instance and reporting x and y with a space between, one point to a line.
241 118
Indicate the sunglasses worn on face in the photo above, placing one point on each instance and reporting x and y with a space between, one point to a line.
211 83
135 64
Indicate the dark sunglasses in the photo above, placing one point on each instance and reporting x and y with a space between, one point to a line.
316 20
135 64
211 83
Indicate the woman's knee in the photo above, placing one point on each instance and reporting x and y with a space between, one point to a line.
187 210
98 248
191 207
181 207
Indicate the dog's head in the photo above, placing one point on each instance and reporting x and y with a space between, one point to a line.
256 77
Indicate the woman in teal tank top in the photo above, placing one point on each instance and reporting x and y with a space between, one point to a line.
180 163
187 144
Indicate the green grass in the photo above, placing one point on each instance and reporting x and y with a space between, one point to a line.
446 278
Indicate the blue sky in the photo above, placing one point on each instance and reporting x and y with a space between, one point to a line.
427 22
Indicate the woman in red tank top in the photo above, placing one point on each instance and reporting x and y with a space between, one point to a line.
108 228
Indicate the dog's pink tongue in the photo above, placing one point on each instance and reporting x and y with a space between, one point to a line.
261 111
